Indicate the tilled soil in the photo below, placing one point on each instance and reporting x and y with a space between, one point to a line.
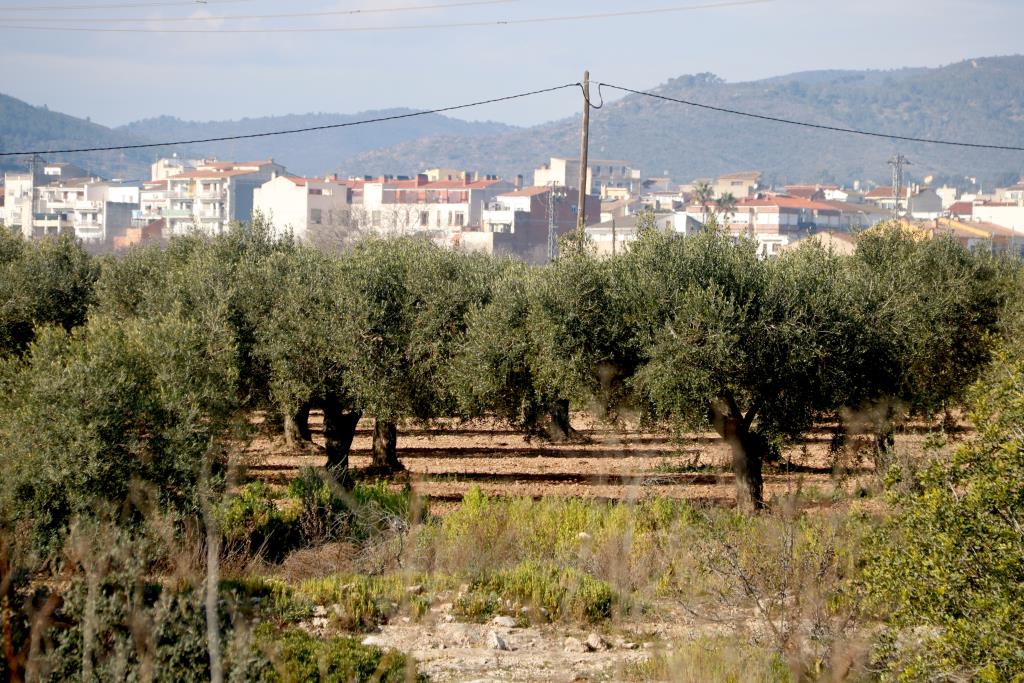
608 463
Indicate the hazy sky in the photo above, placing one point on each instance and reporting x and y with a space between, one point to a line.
119 77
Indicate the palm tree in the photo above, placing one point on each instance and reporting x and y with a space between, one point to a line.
704 194
726 206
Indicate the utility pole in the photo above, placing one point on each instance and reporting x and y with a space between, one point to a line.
613 234
581 209
898 162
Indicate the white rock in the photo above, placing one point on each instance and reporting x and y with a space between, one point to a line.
496 642
414 590
373 641
584 537
319 611
504 622
629 646
575 645
595 642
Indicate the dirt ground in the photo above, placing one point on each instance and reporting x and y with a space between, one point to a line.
613 463
445 461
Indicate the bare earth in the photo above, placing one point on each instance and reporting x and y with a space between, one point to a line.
445 461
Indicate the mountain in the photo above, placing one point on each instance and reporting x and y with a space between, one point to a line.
317 152
24 127
979 100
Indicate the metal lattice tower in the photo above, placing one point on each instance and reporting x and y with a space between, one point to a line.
898 163
552 242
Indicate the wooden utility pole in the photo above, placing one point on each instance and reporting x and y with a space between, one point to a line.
581 209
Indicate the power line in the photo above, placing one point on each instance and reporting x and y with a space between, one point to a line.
818 126
406 27
116 5
293 131
287 15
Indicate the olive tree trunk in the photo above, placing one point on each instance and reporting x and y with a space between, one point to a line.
748 452
559 429
296 427
339 430
385 447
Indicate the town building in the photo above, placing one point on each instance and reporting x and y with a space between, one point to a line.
518 223
605 178
306 207
205 199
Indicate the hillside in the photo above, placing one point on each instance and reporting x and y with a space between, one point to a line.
317 152
26 127
978 100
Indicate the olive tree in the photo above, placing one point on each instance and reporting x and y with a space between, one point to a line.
86 416
303 343
756 349
49 281
406 302
934 306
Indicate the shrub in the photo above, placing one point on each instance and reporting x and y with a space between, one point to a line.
947 570
297 656
560 592
362 603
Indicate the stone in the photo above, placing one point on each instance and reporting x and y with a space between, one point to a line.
504 622
373 641
584 537
319 611
574 645
496 642
595 643
414 590
629 646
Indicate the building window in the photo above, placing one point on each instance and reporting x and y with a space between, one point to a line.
424 219
316 216
460 219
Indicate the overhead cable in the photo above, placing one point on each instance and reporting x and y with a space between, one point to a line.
116 5
405 27
805 124
285 15
293 131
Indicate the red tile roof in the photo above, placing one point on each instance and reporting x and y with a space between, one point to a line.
962 208
880 193
210 175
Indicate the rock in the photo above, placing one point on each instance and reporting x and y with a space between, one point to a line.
595 643
504 622
544 612
629 646
373 641
414 590
319 611
584 537
496 642
574 645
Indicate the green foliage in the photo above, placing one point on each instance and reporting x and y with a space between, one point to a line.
933 307
406 306
45 282
709 659
947 570
97 415
362 603
561 592
300 657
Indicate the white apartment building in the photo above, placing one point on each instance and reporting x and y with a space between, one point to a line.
606 178
416 205
49 204
95 210
207 199
1006 214
304 206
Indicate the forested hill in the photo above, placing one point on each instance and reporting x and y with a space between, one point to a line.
24 127
978 100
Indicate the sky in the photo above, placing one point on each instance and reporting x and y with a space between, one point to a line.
115 78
